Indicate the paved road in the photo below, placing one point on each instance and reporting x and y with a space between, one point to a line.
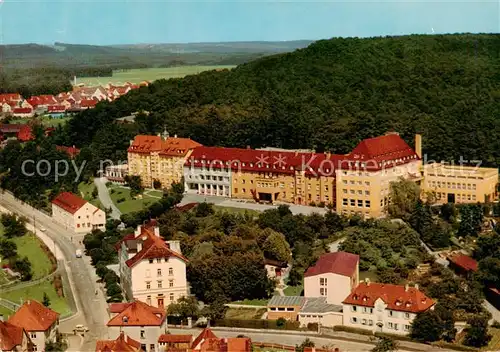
92 308
104 197
226 202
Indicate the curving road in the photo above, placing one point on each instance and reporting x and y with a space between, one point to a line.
91 308
105 198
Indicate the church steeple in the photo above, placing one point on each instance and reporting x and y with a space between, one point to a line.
165 134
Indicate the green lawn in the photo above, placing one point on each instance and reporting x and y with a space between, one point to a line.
147 74
252 302
154 193
30 246
86 190
5 312
57 303
245 313
129 204
293 290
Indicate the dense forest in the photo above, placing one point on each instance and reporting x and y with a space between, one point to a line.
327 96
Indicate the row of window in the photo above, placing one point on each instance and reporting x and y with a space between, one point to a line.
354 202
389 325
458 197
208 178
359 192
358 182
282 309
148 298
159 283
452 185
369 310
159 272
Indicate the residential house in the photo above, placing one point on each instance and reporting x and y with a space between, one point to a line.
42 101
462 264
384 307
22 112
40 323
88 103
13 338
173 342
6 107
91 93
11 97
152 270
77 214
275 269
140 321
122 344
208 342
333 276
159 158
56 111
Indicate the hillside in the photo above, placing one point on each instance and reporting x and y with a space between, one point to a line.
327 96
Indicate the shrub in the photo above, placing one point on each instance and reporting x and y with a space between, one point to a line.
312 204
112 191
281 322
120 200
495 324
321 204
312 326
257 324
393 336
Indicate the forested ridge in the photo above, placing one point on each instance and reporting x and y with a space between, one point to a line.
331 95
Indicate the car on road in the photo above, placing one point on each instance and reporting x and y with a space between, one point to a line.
81 328
43 229
78 253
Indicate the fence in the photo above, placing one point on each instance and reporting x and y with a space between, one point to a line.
29 283
9 304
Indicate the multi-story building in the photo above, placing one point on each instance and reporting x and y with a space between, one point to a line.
152 270
39 322
333 276
451 183
139 321
77 214
159 158
384 308
13 338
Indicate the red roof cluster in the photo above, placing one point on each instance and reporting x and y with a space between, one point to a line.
170 338
71 151
22 111
69 202
122 344
341 263
34 316
42 100
370 155
152 247
463 261
5 98
396 297
56 108
10 336
138 313
88 103
172 146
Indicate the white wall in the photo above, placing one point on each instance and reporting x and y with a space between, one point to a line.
324 319
338 287
86 217
204 178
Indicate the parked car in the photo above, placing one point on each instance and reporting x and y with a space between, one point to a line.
43 229
78 253
80 328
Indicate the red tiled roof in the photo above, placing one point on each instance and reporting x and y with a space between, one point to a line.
117 307
34 316
205 334
170 338
56 108
10 336
172 146
10 97
123 343
371 155
463 261
69 202
22 110
341 263
152 247
233 344
396 297
87 103
42 100
72 151
139 313
25 133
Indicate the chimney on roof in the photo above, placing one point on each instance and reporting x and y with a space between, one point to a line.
157 231
328 155
418 145
367 281
407 287
131 141
137 231
175 136
296 153
416 286
175 246
248 147
139 245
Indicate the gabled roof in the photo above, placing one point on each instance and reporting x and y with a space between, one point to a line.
34 316
390 145
171 338
10 97
341 263
205 334
69 202
87 103
396 297
463 261
22 110
56 108
10 336
232 344
139 313
123 343
152 247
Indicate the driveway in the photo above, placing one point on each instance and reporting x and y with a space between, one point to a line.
105 198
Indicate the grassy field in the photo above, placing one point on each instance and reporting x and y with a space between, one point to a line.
253 302
147 74
57 303
245 313
129 204
237 210
86 189
30 246
293 290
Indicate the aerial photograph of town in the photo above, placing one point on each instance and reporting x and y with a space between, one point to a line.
249 176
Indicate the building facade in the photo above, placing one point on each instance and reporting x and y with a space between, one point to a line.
152 270
333 276
116 173
13 338
159 158
39 322
77 214
384 307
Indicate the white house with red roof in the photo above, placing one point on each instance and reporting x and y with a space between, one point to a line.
152 270
384 307
333 276
77 214
13 338
140 321
40 323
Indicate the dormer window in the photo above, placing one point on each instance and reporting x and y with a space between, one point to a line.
408 304
398 303
243 164
365 299
355 297
125 319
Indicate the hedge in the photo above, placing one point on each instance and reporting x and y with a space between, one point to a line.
257 324
394 336
353 330
453 346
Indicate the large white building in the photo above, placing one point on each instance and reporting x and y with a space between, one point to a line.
333 276
152 270
140 322
203 178
77 214
384 307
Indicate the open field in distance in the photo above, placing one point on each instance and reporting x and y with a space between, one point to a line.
148 74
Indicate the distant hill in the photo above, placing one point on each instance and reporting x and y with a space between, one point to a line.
140 55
